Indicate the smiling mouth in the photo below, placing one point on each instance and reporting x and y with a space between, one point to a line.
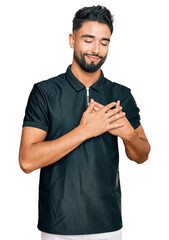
92 58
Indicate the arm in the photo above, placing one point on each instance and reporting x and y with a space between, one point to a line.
36 153
135 141
136 145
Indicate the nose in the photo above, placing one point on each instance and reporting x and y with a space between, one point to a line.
95 48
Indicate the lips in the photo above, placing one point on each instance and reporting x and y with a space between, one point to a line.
93 58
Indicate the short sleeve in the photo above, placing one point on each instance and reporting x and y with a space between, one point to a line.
36 113
131 109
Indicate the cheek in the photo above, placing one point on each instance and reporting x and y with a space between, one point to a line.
104 52
82 47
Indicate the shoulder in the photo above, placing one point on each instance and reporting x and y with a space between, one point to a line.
116 87
48 84
47 89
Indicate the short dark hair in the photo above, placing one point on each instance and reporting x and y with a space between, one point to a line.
95 13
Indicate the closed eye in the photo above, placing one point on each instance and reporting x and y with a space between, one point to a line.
91 42
88 41
104 44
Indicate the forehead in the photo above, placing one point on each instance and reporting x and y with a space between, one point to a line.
99 30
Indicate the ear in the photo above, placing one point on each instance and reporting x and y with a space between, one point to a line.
71 40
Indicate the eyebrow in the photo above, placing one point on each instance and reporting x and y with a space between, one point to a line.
91 36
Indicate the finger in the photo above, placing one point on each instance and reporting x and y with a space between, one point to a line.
115 125
98 105
116 117
118 103
92 100
90 107
113 112
108 106
96 109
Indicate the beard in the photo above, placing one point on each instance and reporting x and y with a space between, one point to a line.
90 68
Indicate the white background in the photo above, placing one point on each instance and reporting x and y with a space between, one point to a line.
34 46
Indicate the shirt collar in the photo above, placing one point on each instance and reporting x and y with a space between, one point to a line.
78 85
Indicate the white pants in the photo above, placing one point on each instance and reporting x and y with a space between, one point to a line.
117 235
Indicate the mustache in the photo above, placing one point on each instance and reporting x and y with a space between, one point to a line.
94 55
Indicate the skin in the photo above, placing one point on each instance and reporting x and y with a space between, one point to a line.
135 141
89 46
36 153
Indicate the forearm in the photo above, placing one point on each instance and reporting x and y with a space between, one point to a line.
137 149
44 153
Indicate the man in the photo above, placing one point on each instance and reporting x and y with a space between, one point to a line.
70 132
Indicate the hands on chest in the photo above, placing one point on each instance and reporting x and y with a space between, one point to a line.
98 119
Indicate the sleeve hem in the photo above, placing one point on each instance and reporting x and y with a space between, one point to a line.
136 125
36 125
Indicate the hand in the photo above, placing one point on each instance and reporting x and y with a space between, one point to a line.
97 122
126 130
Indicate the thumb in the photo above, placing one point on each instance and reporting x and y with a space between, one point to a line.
90 107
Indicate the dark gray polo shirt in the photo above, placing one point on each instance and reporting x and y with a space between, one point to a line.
80 193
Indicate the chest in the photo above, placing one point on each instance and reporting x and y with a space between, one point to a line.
68 106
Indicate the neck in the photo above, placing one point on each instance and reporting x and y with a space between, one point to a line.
86 78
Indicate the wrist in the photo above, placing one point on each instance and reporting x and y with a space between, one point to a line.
82 132
130 136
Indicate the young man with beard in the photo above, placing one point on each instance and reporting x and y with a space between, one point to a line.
70 132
